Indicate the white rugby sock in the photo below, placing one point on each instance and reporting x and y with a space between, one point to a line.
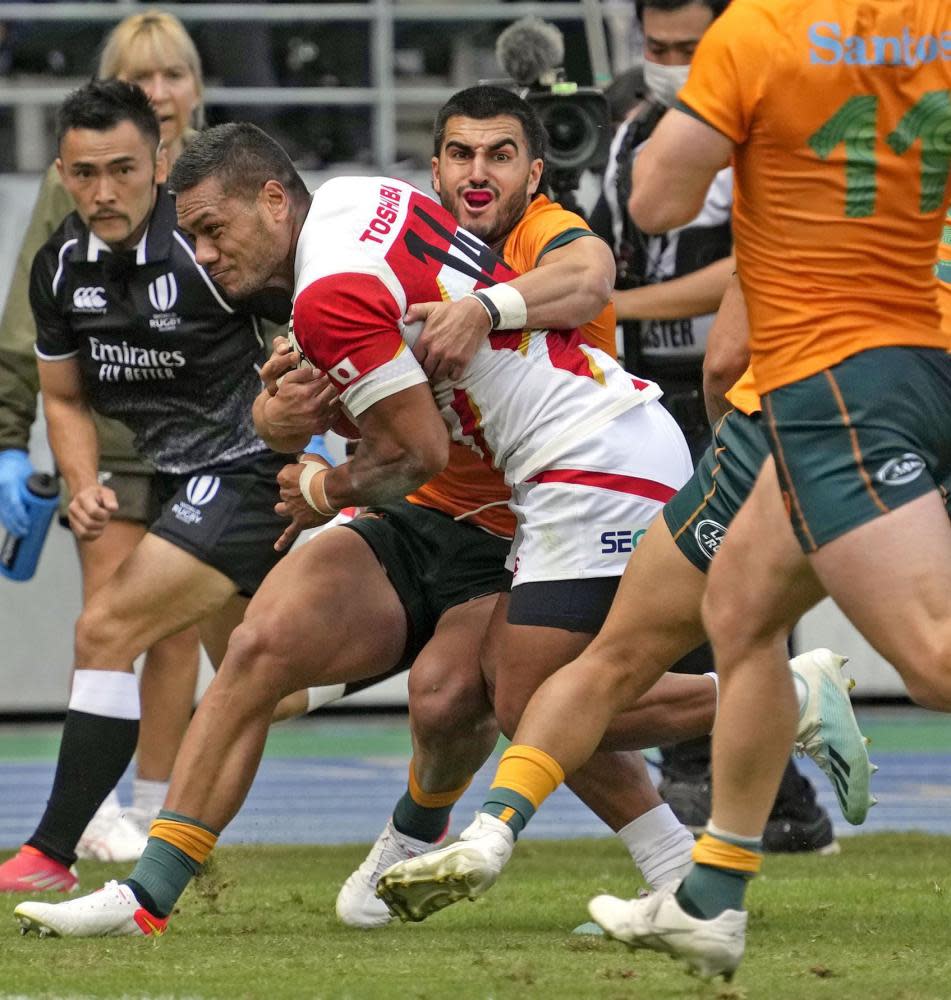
660 845
110 693
324 695
148 796
712 674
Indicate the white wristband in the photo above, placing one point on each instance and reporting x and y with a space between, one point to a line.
311 469
506 306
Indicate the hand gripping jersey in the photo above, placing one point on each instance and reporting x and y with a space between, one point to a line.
469 489
158 346
841 112
370 248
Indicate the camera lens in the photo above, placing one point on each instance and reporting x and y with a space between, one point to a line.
572 136
578 125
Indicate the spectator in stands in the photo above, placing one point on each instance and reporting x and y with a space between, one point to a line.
153 50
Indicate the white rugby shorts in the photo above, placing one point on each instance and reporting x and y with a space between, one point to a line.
584 515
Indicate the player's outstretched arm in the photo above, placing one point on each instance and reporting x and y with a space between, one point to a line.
75 445
694 294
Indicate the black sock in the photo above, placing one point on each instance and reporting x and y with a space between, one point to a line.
144 897
93 754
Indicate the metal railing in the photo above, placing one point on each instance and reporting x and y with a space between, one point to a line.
385 93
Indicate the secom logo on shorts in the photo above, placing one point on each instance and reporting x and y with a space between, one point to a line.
709 536
620 541
904 469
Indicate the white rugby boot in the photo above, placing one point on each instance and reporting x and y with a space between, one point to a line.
113 911
828 731
111 835
708 947
465 870
357 902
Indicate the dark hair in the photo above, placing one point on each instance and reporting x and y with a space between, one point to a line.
483 102
241 157
717 7
625 91
102 105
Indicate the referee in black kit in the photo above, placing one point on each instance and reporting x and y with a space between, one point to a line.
129 324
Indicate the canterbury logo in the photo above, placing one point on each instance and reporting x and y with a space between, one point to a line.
202 489
90 298
163 292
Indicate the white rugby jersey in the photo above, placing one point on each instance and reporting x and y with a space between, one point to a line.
371 247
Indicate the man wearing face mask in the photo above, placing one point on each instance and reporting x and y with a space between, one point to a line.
669 287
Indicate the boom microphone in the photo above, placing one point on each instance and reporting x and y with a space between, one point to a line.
529 49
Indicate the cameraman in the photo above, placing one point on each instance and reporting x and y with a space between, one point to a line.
669 288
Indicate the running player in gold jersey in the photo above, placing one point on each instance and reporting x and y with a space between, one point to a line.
837 116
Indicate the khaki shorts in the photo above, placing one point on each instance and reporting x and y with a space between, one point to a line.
136 492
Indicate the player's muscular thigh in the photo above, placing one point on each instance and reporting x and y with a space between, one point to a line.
326 614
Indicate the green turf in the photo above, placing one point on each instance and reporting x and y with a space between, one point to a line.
869 924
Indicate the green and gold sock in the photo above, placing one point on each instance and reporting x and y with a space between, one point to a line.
177 848
723 866
525 778
425 815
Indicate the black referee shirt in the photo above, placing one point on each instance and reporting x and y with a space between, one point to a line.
159 346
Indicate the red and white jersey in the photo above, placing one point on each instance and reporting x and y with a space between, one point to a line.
370 248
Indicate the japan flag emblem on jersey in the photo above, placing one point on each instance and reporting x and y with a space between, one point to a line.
344 371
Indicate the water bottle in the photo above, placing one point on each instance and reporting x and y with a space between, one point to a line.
19 556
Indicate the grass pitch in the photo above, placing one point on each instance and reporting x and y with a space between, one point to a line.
870 924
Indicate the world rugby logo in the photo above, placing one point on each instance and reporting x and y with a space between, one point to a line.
709 536
904 469
88 298
202 489
163 292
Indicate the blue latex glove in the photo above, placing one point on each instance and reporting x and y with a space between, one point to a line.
15 469
317 446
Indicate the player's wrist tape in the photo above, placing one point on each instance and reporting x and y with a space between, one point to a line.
311 469
505 305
